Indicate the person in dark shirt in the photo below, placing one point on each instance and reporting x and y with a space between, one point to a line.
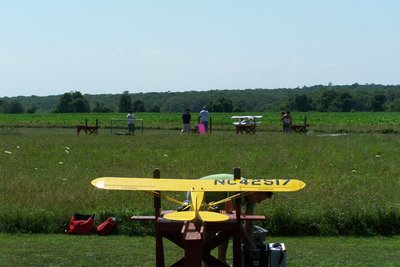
186 118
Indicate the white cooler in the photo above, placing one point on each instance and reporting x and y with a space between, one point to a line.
277 255
271 255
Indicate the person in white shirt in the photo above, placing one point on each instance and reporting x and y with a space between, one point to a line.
204 117
131 122
286 122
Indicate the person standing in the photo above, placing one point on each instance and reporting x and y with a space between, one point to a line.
204 117
131 122
287 122
186 118
283 114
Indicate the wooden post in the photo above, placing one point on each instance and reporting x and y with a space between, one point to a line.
157 210
210 125
157 199
193 245
236 176
236 235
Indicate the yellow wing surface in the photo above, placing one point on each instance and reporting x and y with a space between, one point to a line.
197 189
205 216
215 185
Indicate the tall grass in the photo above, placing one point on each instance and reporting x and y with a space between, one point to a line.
352 180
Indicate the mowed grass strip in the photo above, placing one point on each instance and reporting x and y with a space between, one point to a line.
66 250
352 180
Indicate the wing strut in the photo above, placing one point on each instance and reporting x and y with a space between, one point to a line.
229 198
170 199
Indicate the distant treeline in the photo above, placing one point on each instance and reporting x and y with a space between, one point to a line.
323 98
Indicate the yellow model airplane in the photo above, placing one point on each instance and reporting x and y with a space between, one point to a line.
197 188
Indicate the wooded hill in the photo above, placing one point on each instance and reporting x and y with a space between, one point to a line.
339 98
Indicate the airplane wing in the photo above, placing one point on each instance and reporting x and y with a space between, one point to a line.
246 117
239 117
215 185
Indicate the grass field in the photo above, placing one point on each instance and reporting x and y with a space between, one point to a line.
356 122
352 183
64 250
352 180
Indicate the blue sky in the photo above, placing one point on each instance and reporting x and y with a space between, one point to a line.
94 46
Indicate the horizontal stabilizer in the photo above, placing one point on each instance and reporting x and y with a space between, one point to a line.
181 216
208 216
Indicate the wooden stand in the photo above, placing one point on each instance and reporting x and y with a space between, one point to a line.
198 239
246 124
300 128
251 129
88 129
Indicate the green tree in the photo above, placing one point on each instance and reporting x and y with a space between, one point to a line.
13 107
377 102
395 105
125 102
324 98
80 105
155 109
301 103
216 107
327 100
138 106
227 104
72 102
221 105
65 104
101 108
345 102
32 110
238 108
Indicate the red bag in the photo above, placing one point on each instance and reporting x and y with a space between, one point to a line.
81 224
107 227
